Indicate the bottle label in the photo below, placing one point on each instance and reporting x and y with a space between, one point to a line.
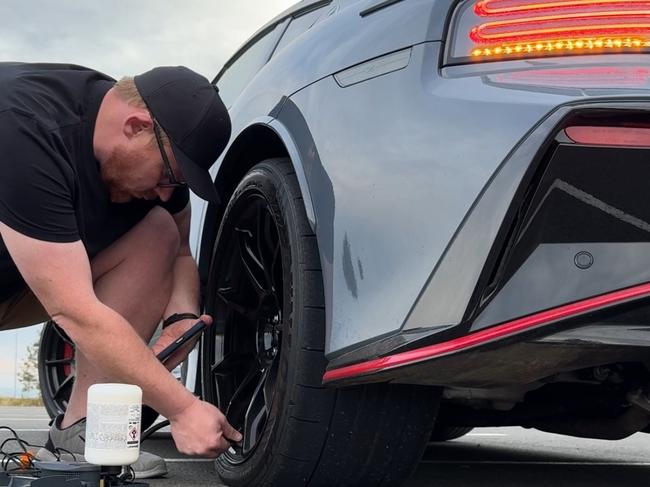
113 426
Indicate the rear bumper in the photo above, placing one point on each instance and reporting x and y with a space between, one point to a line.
570 246
520 351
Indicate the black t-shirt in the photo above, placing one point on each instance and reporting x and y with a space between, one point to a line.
50 183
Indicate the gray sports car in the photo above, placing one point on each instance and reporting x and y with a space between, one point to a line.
431 209
435 216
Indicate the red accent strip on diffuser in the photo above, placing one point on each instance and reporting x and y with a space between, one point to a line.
488 335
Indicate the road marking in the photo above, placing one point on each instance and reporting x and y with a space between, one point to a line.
2 418
25 430
188 460
514 462
486 434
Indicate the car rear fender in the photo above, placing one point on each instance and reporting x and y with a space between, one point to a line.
265 138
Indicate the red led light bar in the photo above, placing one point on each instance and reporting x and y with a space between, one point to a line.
487 8
610 136
583 77
521 27
551 27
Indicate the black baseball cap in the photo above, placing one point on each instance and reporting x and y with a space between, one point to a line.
190 111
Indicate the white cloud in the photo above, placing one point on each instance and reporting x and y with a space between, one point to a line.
120 37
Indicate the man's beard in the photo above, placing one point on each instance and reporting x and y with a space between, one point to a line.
115 173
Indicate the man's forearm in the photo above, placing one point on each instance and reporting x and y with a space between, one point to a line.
185 290
121 355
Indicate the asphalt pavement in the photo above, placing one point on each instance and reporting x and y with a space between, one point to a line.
486 457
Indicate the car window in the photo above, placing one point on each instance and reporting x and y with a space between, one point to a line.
235 78
299 25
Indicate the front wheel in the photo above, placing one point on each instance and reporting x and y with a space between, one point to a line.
263 359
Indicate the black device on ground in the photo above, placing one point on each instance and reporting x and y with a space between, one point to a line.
73 474
67 474
196 329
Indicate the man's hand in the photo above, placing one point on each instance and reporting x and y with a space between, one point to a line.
202 430
173 332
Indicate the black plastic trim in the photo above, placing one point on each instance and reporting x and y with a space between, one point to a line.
378 7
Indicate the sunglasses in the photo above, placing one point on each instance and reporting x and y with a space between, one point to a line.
171 182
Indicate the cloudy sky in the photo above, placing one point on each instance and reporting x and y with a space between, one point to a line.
120 37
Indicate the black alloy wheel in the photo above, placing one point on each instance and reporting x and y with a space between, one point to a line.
263 358
56 373
251 316
56 368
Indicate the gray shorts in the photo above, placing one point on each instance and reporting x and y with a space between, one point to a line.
22 309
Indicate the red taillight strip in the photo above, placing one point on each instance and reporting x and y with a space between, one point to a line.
610 136
581 77
485 336
486 8
620 23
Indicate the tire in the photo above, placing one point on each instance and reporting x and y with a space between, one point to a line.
263 359
446 433
56 373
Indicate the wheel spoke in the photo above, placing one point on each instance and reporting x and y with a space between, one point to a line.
277 287
66 382
231 363
241 397
259 223
256 414
61 361
61 333
226 294
268 233
256 260
250 262
265 241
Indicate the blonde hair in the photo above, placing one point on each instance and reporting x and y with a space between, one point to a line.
127 92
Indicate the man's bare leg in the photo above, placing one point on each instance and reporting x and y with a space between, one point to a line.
133 276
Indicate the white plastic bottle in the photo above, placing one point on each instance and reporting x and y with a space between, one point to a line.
113 424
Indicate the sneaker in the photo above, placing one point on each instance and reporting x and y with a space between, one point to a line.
70 444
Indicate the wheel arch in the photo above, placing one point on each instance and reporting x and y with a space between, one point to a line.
266 138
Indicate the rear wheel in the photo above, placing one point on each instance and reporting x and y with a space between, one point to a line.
56 373
263 359
56 369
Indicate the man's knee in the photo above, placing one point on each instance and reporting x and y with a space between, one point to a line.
152 243
161 231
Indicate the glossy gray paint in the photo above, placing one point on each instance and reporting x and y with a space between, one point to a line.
394 165
399 200
444 299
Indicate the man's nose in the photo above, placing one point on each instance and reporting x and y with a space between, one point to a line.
164 193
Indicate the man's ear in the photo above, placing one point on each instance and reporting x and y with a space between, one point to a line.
137 123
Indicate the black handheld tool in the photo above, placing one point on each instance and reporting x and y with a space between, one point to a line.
198 328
